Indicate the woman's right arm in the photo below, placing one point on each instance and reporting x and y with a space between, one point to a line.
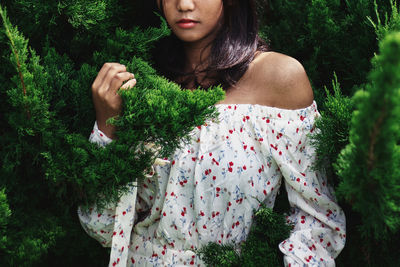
107 103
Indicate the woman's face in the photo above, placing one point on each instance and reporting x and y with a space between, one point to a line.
194 21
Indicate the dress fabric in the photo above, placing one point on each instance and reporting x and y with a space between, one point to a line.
208 190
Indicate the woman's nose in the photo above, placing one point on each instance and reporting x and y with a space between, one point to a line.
185 5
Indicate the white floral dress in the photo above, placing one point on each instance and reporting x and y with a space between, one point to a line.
208 191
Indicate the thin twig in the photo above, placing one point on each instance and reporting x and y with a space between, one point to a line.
15 52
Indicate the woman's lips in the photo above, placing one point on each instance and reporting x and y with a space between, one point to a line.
186 23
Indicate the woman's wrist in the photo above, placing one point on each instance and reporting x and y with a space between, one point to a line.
107 129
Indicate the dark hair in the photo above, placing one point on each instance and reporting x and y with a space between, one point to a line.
232 50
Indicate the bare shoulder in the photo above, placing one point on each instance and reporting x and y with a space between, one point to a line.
281 80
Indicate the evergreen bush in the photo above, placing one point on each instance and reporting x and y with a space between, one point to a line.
48 167
260 248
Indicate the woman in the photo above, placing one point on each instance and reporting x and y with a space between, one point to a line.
207 191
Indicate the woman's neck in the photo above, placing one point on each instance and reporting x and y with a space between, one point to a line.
196 57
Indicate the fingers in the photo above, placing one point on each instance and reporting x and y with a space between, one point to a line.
118 80
112 74
103 73
110 78
129 84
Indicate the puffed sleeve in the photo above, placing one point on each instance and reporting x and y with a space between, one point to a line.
319 229
101 225
98 225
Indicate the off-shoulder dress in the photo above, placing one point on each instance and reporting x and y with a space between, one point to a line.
207 191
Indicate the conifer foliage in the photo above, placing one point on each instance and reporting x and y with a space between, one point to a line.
327 36
48 167
365 151
260 248
374 146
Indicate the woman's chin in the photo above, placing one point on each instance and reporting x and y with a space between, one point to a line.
188 38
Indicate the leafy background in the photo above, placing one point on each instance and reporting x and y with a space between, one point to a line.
349 48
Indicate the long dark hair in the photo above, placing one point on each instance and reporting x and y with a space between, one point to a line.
232 50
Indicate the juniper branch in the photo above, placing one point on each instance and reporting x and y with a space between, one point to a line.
6 24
